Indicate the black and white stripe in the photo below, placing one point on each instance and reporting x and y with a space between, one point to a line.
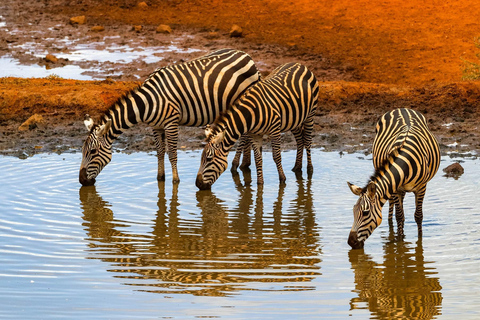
193 93
284 101
406 156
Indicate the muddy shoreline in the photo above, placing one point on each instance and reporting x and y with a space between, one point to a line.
348 108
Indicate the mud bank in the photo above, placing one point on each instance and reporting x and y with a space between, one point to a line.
345 119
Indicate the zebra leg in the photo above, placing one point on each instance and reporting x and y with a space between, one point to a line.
307 142
238 154
391 206
298 134
419 196
171 133
247 152
159 136
257 153
277 155
399 215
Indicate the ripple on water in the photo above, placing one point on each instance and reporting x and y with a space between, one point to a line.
132 247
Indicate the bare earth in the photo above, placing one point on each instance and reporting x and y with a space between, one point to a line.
355 88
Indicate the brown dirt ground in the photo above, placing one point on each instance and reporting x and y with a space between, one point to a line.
370 57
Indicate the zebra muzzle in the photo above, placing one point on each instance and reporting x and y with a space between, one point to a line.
201 184
83 178
353 241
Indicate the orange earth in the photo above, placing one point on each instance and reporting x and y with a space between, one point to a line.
388 54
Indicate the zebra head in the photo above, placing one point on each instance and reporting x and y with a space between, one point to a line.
96 151
214 159
367 214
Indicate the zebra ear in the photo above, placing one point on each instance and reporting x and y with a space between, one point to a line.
88 122
371 189
218 138
355 189
105 127
208 131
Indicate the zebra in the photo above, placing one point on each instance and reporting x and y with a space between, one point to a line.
286 100
406 156
192 93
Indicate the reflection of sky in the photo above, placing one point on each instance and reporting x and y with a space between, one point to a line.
92 52
11 68
45 243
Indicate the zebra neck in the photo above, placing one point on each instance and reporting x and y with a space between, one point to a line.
128 111
387 182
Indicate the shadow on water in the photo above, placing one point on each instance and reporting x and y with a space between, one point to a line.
402 287
215 252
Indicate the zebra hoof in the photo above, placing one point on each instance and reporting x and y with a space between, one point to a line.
160 177
297 169
176 181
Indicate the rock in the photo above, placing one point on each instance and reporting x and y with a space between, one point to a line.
77 20
454 170
31 123
137 28
51 58
212 35
236 31
163 28
97 28
143 5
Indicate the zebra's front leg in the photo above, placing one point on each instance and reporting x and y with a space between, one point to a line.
171 133
247 152
238 154
159 135
391 206
257 153
399 214
298 134
277 155
419 196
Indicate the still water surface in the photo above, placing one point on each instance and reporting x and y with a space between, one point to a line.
132 248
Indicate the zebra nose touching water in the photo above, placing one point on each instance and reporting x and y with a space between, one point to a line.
405 156
192 94
284 101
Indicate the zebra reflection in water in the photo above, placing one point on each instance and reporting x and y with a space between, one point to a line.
403 286
215 252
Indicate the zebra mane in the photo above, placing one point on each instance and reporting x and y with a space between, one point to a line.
120 101
381 171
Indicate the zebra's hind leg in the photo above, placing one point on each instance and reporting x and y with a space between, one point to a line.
277 155
257 153
159 136
399 215
419 196
307 138
171 133
298 134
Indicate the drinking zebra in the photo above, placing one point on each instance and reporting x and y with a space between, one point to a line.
193 93
406 156
284 101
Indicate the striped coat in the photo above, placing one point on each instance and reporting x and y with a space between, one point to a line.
284 101
193 93
406 156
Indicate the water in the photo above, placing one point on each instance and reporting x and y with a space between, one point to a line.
132 248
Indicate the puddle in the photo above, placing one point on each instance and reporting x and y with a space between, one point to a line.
149 250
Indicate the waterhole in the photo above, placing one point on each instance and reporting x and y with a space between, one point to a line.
131 247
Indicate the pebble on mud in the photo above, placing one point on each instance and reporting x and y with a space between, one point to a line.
163 28
31 123
454 170
51 58
143 5
97 28
236 31
77 20
137 28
